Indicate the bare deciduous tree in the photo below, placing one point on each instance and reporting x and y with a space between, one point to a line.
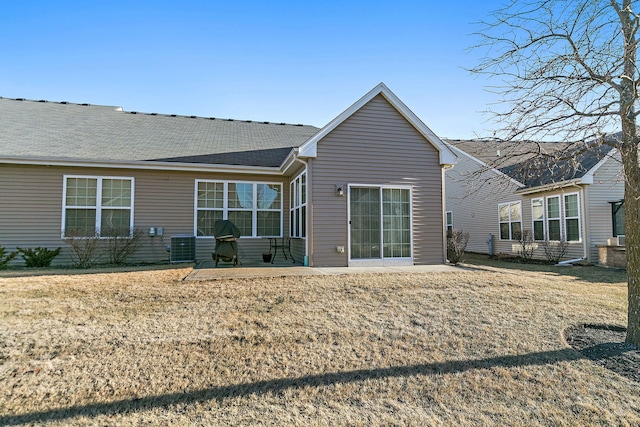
568 71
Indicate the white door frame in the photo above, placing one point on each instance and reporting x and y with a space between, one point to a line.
382 261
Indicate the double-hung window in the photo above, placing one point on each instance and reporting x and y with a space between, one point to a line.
537 213
554 222
562 219
449 223
572 217
298 206
97 206
510 216
255 208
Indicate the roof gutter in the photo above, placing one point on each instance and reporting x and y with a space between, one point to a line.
144 165
555 186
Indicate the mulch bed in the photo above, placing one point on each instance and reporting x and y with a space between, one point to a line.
605 345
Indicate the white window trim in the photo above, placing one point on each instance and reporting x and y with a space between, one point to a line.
510 221
559 218
447 223
98 207
544 218
294 187
225 206
564 213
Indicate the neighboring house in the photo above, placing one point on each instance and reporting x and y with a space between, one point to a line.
366 189
579 200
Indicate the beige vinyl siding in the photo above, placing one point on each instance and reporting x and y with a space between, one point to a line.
162 199
608 186
376 145
473 195
30 207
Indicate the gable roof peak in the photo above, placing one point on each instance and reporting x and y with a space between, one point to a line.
309 148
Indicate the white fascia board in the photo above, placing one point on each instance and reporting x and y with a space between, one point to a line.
554 186
447 157
289 161
162 166
486 166
589 175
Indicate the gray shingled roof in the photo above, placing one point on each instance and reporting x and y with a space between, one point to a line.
99 133
536 164
576 162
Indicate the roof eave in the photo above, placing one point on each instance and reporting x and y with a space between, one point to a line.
447 157
142 165
589 175
585 180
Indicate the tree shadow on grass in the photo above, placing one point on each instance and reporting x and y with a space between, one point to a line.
282 384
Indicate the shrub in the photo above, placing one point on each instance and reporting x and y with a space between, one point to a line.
5 258
456 245
555 251
38 257
527 245
85 250
122 244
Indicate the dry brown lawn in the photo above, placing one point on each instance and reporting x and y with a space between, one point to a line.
470 348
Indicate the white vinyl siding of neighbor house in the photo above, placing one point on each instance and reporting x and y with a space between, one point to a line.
473 193
375 146
608 186
162 199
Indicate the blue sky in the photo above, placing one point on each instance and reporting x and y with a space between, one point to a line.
282 61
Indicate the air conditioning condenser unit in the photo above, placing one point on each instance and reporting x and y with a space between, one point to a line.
183 248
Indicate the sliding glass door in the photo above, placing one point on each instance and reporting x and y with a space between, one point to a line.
380 225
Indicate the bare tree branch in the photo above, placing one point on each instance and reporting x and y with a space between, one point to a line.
567 71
